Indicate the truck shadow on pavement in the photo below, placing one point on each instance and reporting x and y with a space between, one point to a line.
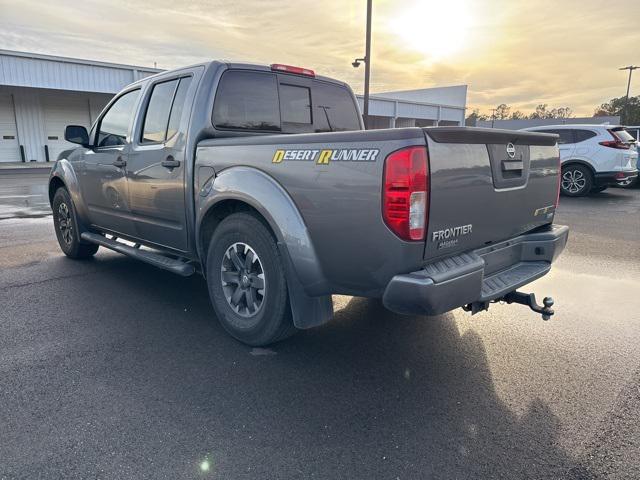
369 395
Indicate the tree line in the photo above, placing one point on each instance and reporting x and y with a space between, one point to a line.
614 107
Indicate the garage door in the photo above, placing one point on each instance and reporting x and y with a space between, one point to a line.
9 145
61 110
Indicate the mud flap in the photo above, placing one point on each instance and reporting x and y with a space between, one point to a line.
307 312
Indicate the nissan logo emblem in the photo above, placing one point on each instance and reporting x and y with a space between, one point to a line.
511 150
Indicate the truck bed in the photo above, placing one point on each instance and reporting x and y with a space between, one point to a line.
479 195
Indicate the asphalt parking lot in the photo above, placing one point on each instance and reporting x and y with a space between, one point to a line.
112 369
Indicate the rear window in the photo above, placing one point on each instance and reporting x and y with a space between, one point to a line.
633 132
622 134
335 109
255 101
247 101
582 135
295 104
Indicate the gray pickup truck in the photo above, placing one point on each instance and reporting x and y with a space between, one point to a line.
263 180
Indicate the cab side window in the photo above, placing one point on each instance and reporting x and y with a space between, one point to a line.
156 118
114 125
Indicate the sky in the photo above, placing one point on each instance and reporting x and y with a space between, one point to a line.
519 52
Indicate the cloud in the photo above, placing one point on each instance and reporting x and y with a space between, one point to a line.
516 52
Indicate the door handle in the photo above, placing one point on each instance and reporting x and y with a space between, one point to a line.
120 162
512 165
170 162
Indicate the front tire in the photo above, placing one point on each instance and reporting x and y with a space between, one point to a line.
66 227
247 283
577 181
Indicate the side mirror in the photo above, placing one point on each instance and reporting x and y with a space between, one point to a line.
76 134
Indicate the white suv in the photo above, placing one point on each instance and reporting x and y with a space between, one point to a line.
593 157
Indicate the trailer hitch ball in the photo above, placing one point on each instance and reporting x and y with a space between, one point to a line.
529 299
548 303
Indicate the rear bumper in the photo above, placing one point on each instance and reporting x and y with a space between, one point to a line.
477 276
613 178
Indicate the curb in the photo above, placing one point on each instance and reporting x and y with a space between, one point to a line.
25 167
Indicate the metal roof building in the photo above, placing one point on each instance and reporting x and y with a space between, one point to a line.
41 94
424 107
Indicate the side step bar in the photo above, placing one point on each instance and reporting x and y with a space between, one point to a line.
155 259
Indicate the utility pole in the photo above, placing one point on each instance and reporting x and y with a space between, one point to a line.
493 117
367 65
631 68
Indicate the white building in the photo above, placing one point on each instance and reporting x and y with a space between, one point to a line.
424 107
41 94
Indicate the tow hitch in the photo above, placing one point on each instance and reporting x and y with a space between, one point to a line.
529 299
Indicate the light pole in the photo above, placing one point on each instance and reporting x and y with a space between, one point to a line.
367 65
631 68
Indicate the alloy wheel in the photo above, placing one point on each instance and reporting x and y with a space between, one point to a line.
243 281
65 225
573 181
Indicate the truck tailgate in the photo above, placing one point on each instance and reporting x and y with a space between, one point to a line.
488 185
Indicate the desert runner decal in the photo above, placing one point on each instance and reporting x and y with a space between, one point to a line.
323 157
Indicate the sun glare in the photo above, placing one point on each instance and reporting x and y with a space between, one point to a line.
435 28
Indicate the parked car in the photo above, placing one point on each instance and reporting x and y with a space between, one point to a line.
634 131
593 157
192 167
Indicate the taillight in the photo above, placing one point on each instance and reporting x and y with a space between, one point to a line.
559 181
405 195
615 143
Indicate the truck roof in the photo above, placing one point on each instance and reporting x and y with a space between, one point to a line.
235 65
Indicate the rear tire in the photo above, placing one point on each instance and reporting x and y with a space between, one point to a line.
576 181
247 283
66 227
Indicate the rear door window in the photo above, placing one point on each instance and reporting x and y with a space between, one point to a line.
247 101
566 135
582 135
178 107
157 116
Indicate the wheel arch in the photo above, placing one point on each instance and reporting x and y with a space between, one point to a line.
246 188
575 161
64 175
250 190
54 184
